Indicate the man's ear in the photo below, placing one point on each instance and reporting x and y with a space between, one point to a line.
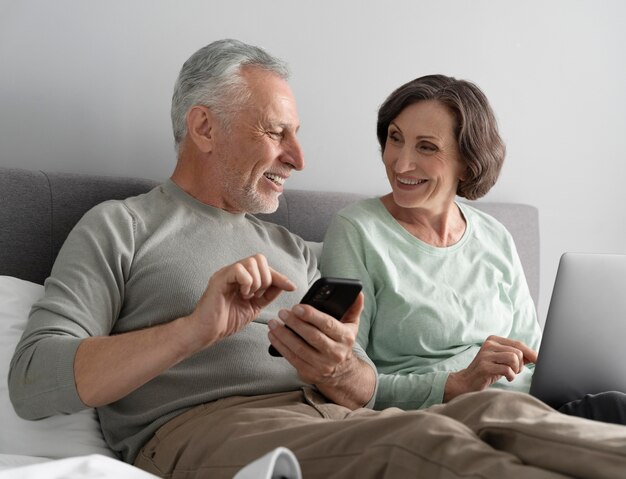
201 127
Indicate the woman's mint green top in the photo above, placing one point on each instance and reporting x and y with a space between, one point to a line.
428 309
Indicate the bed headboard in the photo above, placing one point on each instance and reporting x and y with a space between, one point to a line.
38 209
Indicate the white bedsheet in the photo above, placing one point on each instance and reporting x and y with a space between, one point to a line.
94 466
9 461
279 463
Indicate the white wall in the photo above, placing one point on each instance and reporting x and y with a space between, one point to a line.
85 87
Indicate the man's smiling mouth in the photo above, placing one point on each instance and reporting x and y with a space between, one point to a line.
279 180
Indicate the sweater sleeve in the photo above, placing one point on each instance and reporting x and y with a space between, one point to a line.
525 326
411 391
83 297
345 254
340 258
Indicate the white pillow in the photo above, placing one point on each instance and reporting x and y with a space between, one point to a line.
55 437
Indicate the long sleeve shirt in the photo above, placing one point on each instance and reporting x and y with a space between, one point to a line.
429 309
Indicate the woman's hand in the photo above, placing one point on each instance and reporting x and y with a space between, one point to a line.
496 358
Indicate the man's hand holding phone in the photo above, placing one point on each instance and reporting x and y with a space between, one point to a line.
320 348
317 336
332 296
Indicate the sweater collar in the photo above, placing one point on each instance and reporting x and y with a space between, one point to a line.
181 195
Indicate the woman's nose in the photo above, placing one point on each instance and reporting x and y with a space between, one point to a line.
405 161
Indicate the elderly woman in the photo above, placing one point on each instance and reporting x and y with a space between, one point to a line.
447 308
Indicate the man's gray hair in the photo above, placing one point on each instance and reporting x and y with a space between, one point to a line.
212 77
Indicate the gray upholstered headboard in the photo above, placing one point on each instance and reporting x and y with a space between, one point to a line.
38 209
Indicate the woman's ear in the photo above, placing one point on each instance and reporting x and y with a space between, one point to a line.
200 127
464 175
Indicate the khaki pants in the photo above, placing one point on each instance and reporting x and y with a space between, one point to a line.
491 434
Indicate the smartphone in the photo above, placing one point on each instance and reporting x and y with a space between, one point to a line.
332 296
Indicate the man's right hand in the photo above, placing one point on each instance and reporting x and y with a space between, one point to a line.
107 368
235 296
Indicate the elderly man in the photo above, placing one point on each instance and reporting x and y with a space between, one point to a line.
179 370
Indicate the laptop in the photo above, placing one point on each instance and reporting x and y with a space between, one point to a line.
583 348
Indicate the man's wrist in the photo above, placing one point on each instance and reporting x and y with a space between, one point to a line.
353 388
185 333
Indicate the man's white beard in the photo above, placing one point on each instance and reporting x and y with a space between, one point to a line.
246 197
252 202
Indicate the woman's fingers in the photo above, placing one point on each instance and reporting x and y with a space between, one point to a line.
529 355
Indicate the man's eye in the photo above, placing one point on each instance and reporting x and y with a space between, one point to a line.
276 135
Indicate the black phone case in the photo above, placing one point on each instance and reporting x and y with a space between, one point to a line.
332 296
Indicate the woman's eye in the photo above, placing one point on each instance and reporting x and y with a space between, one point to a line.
276 135
428 147
394 137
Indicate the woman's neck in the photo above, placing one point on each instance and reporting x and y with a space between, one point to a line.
440 228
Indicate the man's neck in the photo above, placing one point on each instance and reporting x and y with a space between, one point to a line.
188 174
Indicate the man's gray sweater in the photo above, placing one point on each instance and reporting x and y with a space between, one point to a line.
140 262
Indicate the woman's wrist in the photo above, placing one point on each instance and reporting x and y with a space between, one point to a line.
455 386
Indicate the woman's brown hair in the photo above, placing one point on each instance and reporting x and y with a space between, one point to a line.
480 146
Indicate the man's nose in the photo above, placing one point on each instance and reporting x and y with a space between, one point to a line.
294 155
